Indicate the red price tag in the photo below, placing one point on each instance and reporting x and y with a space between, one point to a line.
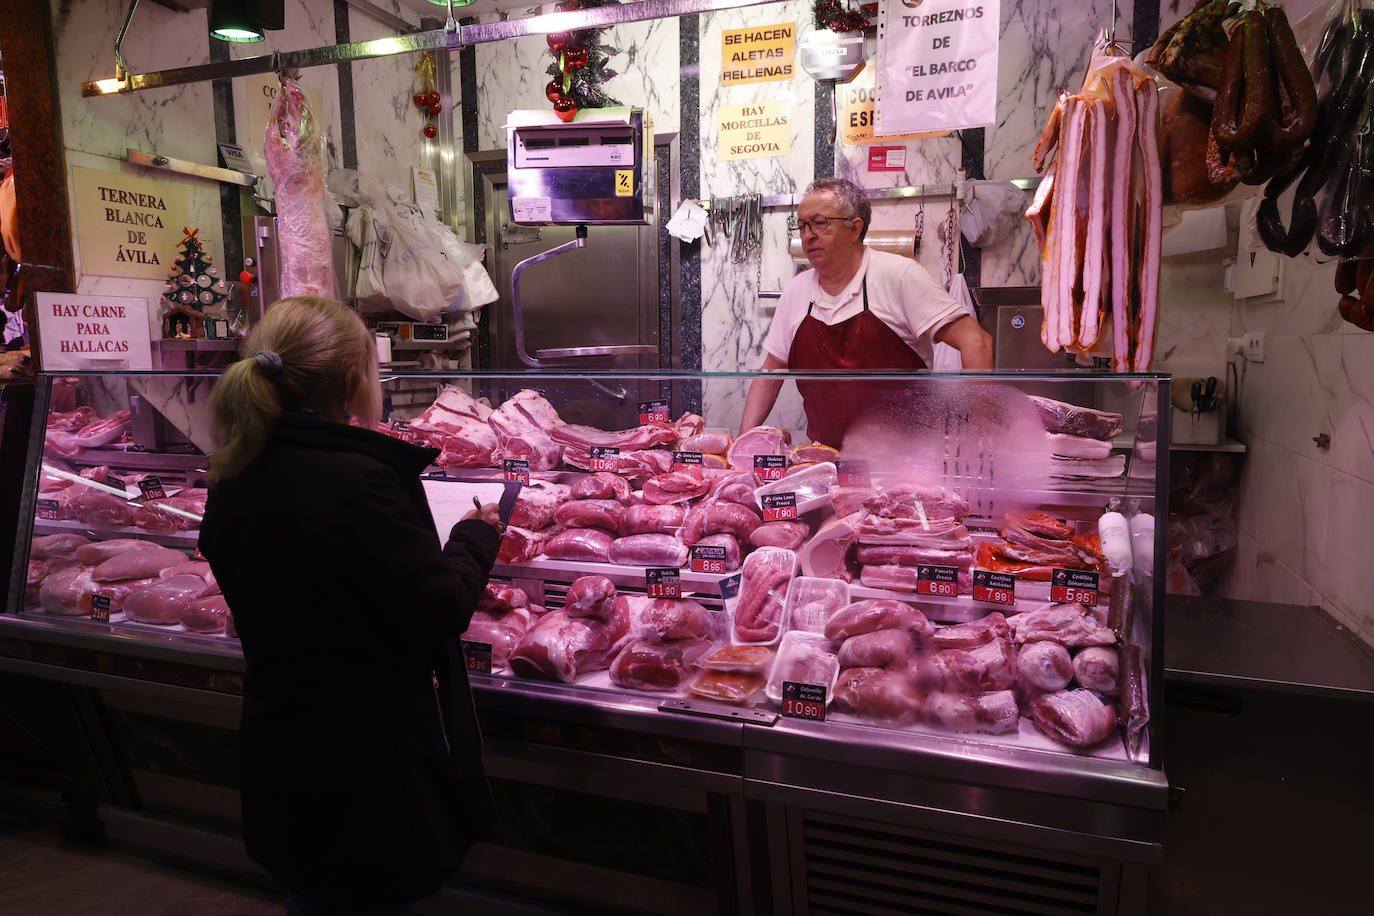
662 582
803 701
605 458
48 510
779 507
100 608
653 411
686 460
517 469
477 656
939 581
151 488
770 467
993 587
708 559
853 472
196 554
1073 586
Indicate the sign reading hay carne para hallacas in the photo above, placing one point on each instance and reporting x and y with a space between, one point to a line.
126 226
937 65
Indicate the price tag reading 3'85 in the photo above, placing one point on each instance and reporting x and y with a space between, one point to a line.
662 582
653 411
853 472
770 467
605 458
803 701
708 559
1073 586
779 507
994 587
517 469
151 488
476 656
941 581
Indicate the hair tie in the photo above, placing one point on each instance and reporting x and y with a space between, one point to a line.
269 363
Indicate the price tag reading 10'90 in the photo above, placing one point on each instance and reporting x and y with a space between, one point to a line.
477 656
605 458
151 488
994 587
779 507
770 467
940 581
653 411
1076 586
517 469
803 701
662 582
708 559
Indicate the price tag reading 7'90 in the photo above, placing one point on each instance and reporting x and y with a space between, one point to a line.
605 458
994 587
803 701
662 582
940 581
653 411
779 507
708 559
1073 586
517 469
770 467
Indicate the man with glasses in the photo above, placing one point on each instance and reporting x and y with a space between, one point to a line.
857 310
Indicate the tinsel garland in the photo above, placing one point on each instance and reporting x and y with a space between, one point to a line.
838 16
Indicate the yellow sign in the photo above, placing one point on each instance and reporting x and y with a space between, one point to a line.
856 115
754 131
757 55
624 182
127 226
260 92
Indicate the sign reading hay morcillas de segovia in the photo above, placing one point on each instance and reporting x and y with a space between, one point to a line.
126 226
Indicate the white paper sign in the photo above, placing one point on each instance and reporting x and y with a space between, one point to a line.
426 190
937 64
93 332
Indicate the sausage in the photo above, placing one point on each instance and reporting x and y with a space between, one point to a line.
1293 80
1346 274
1343 226
1255 115
1226 111
1357 312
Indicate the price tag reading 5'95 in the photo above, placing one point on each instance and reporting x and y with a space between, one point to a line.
708 559
477 656
653 411
605 458
1073 586
770 467
941 581
994 587
803 701
662 582
779 507
517 469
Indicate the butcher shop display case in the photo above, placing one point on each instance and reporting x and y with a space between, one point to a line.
834 656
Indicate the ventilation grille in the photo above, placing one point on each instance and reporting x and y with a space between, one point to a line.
857 867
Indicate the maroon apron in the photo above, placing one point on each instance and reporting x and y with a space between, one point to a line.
858 344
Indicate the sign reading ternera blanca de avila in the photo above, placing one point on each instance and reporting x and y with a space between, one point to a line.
127 226
937 65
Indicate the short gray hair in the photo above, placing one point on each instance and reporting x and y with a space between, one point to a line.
850 195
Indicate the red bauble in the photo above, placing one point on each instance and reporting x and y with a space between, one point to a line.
436 108
565 108
432 98
245 277
554 90
575 57
431 131
420 100
559 40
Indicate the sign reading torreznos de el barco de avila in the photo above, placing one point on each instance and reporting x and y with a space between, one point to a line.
937 64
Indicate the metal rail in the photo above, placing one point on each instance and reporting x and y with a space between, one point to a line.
945 189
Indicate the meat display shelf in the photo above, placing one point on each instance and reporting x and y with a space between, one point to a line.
185 540
138 460
199 345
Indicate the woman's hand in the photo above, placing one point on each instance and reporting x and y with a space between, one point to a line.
489 513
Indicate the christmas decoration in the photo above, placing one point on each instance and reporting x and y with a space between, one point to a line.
193 289
428 99
579 67
838 16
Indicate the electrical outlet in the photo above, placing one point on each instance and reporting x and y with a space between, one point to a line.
1254 346
1235 346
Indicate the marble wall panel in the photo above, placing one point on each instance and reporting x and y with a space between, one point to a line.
1194 316
1258 575
1288 398
388 125
1349 574
1283 505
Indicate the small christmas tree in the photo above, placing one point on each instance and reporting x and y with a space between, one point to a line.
192 289
579 67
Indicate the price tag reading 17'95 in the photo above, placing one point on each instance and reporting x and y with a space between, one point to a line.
662 582
994 587
941 581
653 411
100 607
476 656
151 488
803 701
605 458
708 559
853 472
1073 586
770 467
779 507
517 469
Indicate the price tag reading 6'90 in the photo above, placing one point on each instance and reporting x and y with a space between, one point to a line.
662 582
803 701
770 467
779 507
708 559
940 581
517 469
853 472
605 458
1073 586
653 411
994 587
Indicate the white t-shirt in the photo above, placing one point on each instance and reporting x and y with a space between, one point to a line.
901 294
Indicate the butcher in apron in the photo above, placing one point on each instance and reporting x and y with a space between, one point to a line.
855 311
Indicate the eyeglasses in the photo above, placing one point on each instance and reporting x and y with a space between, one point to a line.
820 224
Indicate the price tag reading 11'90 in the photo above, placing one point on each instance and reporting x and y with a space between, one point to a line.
779 507
994 587
770 467
605 458
477 656
1073 586
662 582
803 701
517 469
853 472
708 559
940 581
653 411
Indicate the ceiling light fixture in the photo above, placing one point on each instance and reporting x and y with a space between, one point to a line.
245 20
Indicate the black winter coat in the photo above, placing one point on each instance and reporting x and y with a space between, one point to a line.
362 777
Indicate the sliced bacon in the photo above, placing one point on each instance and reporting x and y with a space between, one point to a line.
1147 142
1049 137
1039 212
1090 319
1122 225
1071 218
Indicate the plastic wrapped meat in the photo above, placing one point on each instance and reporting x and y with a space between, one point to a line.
734 488
734 553
1069 625
907 555
163 601
138 564
739 658
56 545
1044 667
812 602
536 504
877 693
591 596
193 568
1070 419
720 517
937 533
1075 717
991 666
67 592
37 572
787 535
677 618
603 485
974 633
294 148
914 501
758 615
648 550
803 658
882 614
707 443
1097 668
501 631
560 647
848 500
590 544
676 487
651 665
590 513
879 649
736 687
652 520
520 545
1133 706
993 713
811 486
205 615
100 509
98 552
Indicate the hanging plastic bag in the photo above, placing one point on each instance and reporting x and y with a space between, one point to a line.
477 289
295 150
419 278
947 358
369 290
992 209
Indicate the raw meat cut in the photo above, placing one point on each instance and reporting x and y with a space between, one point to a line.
503 634
173 513
649 665
803 658
138 564
98 552
761 440
500 599
987 556
848 500
591 596
457 424
812 453
36 573
900 578
1070 419
163 601
57 545
719 518
205 615
590 513
1063 556
739 658
1070 625
793 469
991 666
727 686
1096 668
677 618
295 151
973 633
814 601
603 485
910 555
987 714
825 556
648 550
734 554
1044 666
645 462
627 440
878 649
877 693
100 509
872 615
118 592
652 520
67 592
763 593
70 421
580 544
734 488
714 462
536 504
451 403
1078 446
560 647
522 427
103 431
940 533
1075 717
707 443
472 449
788 535
193 568
520 545
914 501
689 425
676 487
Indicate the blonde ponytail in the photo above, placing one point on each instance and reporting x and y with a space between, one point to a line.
307 354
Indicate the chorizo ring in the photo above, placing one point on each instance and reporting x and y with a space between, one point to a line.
1292 78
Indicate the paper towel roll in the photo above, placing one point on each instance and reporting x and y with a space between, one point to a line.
897 241
383 348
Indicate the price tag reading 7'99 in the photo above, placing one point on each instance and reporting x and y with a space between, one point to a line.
517 469
770 467
708 559
803 701
653 411
662 582
605 458
1073 586
779 507
940 581
994 587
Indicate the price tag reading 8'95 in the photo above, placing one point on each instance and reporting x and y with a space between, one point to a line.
803 701
517 469
605 458
708 559
1073 586
770 467
662 582
994 587
653 411
779 507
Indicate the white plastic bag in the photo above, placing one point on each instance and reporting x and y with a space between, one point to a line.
419 277
368 288
947 358
992 209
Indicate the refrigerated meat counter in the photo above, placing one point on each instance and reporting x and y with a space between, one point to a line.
715 671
